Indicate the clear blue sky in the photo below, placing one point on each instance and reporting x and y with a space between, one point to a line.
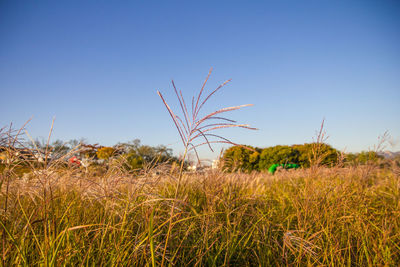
96 66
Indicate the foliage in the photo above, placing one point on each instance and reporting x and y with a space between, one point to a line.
238 158
105 152
134 154
350 158
89 153
60 148
132 161
316 153
396 160
277 155
363 158
56 149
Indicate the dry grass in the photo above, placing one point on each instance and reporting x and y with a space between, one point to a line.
331 216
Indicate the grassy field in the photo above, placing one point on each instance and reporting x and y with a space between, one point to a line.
74 217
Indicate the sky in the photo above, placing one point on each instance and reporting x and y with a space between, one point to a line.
95 66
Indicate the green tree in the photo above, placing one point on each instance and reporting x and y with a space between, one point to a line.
306 155
132 161
239 158
365 157
350 159
147 153
278 155
134 154
316 154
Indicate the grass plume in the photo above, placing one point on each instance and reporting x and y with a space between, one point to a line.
191 128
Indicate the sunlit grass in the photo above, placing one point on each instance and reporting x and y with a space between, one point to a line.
328 217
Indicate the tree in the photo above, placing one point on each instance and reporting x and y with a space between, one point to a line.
105 152
148 153
59 148
164 154
134 155
365 157
306 155
316 154
132 161
350 159
278 155
239 158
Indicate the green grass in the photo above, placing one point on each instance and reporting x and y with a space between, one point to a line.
335 217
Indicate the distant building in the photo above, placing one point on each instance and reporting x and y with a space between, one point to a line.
215 164
192 168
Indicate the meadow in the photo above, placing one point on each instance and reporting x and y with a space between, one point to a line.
56 215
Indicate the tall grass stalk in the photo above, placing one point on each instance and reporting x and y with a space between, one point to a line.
191 128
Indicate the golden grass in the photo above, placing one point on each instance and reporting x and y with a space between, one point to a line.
337 216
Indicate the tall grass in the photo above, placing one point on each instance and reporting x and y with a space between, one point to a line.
335 216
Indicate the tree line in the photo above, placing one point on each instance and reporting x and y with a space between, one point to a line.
132 155
247 158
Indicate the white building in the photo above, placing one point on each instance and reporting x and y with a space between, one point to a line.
215 164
